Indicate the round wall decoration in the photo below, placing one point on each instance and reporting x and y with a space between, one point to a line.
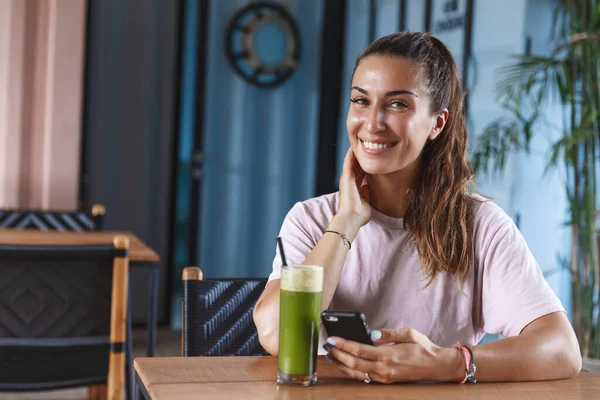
263 44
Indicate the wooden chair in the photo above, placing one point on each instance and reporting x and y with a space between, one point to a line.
53 220
217 315
64 312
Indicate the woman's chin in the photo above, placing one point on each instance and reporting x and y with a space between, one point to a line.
381 168
376 170
388 166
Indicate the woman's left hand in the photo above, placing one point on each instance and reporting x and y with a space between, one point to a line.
411 357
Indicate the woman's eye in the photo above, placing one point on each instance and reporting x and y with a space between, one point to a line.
360 101
398 104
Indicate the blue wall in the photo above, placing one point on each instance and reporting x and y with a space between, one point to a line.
261 147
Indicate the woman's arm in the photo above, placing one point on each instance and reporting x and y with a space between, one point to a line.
546 349
330 252
266 317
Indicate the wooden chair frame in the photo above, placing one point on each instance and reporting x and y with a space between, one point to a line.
118 323
188 274
115 387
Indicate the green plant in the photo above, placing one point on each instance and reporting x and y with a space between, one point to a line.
570 78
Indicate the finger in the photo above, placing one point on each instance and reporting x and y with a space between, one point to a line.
360 375
401 335
355 165
364 190
352 362
359 174
352 373
355 349
348 167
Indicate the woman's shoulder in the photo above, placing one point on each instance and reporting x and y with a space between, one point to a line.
489 216
319 209
326 201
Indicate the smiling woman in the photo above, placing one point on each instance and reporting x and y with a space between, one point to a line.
433 265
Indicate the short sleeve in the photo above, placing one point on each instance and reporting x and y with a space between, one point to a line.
514 290
296 237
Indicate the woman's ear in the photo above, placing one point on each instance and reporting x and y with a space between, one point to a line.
440 121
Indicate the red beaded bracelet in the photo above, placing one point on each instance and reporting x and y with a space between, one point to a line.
470 367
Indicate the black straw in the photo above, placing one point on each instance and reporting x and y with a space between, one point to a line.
281 252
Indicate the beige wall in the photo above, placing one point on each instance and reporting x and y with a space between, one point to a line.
41 75
11 69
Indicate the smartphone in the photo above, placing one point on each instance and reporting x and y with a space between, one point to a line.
351 325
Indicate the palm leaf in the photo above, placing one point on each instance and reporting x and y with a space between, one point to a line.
570 77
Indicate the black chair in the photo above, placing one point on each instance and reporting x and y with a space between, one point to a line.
217 315
63 318
79 221
53 220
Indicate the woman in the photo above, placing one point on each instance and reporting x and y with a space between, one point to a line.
411 248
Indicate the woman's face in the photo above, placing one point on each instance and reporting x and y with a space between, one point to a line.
389 120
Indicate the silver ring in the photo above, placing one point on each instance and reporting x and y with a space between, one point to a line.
368 380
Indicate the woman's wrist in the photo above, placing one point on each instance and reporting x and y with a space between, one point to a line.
450 365
346 224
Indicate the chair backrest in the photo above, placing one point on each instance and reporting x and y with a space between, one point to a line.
217 316
53 220
63 311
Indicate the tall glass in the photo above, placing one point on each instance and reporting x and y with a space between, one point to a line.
299 311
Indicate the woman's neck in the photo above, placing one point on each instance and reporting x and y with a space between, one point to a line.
388 196
389 193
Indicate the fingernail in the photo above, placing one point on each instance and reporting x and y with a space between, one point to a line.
328 357
327 347
376 335
331 341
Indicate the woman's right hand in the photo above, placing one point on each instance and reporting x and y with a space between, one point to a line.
355 208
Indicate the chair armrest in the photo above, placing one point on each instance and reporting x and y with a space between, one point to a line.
188 274
98 213
191 273
98 210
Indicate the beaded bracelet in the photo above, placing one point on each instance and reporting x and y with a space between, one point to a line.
470 368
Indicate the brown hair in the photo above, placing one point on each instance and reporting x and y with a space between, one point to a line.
440 213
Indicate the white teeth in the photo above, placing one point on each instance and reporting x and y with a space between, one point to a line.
376 146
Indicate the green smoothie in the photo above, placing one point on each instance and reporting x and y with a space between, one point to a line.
299 321
299 332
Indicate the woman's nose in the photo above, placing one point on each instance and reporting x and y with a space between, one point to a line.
375 121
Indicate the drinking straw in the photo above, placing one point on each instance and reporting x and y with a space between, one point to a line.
281 252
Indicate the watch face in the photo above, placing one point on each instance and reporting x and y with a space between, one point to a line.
263 44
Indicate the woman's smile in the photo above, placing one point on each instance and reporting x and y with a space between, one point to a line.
376 147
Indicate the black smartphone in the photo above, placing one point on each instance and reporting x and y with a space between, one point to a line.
351 325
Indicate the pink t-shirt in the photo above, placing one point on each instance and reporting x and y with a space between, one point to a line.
504 293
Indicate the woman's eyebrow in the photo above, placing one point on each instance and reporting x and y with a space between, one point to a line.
390 93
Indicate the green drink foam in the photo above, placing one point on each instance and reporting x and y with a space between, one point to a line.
302 278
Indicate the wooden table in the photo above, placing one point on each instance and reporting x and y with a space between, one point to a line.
166 378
